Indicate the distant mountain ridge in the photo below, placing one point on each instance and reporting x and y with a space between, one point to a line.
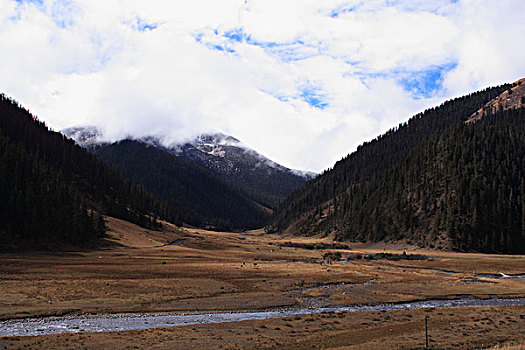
263 180
193 194
267 182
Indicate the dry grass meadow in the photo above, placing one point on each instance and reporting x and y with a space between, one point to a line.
188 269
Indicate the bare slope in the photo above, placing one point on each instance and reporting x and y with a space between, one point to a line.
512 98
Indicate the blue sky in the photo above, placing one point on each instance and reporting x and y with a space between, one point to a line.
302 81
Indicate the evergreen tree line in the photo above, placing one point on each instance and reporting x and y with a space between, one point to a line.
38 205
54 192
433 180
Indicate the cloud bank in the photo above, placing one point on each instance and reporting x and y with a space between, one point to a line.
302 81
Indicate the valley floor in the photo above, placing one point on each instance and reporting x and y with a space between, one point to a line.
195 270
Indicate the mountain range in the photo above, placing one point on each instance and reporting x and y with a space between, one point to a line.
451 177
264 181
212 181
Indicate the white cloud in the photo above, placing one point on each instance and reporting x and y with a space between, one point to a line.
302 81
488 49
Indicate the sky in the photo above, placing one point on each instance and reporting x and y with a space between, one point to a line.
303 82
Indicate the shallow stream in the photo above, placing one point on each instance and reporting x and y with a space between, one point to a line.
122 322
501 276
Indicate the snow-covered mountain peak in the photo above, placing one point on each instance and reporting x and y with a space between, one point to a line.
85 136
218 152
217 139
263 180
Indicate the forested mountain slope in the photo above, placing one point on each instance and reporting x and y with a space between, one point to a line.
194 195
263 180
259 178
53 192
434 180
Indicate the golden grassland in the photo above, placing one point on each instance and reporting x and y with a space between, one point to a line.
140 270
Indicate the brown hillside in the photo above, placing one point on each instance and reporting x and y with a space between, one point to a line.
511 98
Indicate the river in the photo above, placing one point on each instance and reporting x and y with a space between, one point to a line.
130 321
